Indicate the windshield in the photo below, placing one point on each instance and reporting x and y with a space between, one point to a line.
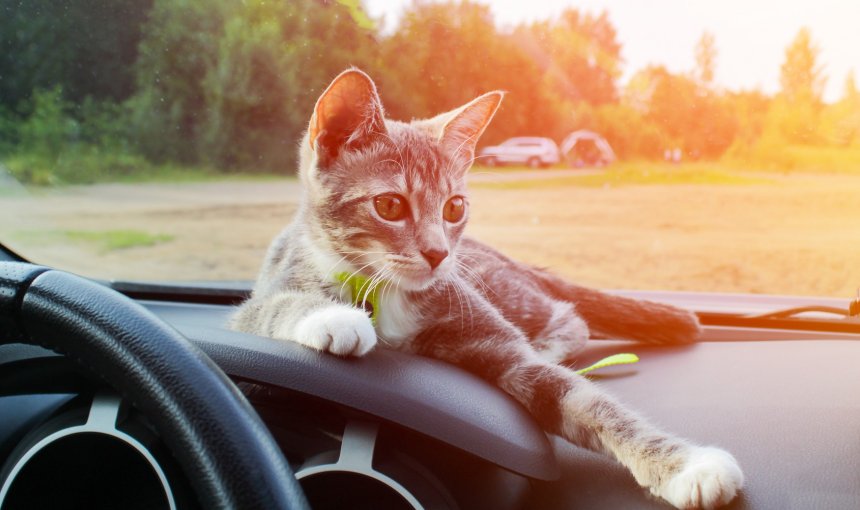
702 147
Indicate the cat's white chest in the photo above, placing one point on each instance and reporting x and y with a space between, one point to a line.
397 320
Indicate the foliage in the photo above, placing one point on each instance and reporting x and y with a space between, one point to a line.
83 46
578 55
794 114
229 86
444 55
706 57
233 84
840 122
49 128
801 75
8 130
690 116
63 142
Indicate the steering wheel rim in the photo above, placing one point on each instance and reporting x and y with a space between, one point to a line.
219 441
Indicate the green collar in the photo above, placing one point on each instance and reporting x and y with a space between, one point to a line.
364 295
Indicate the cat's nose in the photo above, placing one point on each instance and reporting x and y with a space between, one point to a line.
434 257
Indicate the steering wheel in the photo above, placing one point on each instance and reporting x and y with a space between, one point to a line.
219 441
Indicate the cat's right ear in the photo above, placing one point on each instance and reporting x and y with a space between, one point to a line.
347 115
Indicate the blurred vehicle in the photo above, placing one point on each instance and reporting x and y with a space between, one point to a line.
586 148
533 151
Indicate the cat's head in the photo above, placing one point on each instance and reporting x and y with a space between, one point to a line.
388 198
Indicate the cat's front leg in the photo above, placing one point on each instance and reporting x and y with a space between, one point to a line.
338 329
308 319
684 474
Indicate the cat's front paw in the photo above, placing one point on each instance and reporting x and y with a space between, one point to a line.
340 330
710 478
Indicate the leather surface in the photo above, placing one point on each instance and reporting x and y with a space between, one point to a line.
222 445
787 409
431 397
14 280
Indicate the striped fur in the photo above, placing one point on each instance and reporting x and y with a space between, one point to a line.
507 322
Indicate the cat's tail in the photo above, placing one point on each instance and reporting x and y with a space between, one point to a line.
612 316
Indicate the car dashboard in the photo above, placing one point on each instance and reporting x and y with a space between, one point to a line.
398 431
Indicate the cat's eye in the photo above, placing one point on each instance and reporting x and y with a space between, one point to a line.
391 207
454 209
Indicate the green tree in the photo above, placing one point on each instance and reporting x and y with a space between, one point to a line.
690 117
801 75
233 84
86 47
706 58
443 55
49 128
579 54
840 123
794 114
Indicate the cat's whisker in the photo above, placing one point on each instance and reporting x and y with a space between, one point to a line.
448 291
379 279
475 278
351 256
459 302
390 285
351 276
473 273
369 285
459 283
328 273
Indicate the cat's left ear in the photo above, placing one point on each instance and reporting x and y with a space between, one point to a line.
347 114
464 126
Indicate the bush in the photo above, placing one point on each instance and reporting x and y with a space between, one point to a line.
77 165
8 131
48 129
61 143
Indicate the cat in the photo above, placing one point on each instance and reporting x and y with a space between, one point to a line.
387 201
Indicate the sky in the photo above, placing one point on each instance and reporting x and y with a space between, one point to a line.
751 35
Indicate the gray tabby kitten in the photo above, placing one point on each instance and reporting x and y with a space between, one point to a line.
388 200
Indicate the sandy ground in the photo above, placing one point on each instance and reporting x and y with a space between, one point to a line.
797 234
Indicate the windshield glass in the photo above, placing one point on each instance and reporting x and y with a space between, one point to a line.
701 147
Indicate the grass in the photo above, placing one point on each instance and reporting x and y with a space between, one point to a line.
102 240
784 158
634 174
93 166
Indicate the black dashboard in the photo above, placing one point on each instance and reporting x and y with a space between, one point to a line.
406 432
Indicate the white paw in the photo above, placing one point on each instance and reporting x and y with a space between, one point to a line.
709 479
339 330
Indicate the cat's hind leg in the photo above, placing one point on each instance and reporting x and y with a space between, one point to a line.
564 335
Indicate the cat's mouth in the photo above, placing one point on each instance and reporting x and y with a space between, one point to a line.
416 276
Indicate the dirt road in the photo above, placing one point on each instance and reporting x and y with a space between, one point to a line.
791 235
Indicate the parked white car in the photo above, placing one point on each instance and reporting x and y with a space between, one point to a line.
533 151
